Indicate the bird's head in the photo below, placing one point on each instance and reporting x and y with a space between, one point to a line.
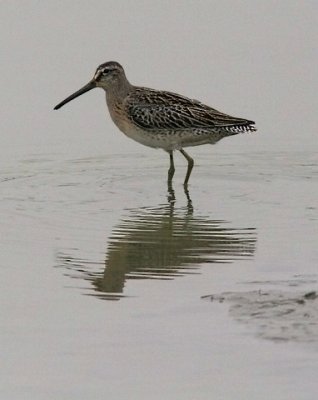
108 75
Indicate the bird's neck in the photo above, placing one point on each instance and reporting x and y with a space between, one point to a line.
118 91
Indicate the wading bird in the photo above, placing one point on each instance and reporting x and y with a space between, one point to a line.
161 119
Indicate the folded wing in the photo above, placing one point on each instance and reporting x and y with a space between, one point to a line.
165 110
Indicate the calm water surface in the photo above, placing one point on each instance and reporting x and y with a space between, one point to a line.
76 231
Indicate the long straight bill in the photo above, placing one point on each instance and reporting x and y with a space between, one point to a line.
91 85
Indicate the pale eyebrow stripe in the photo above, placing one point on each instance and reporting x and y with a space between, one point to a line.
97 74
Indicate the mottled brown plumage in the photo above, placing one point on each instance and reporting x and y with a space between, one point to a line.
161 119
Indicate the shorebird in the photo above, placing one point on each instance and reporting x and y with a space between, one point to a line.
160 119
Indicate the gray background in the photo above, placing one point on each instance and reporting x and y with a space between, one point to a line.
252 59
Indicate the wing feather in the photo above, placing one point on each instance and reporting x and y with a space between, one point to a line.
155 110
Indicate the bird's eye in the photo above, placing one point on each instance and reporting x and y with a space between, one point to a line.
105 71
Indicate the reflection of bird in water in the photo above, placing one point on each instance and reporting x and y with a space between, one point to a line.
162 243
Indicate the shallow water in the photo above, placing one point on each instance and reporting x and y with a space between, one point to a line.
76 231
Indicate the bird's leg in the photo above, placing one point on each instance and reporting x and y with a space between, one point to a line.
171 169
190 166
171 195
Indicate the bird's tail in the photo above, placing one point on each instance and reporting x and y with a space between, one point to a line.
245 126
